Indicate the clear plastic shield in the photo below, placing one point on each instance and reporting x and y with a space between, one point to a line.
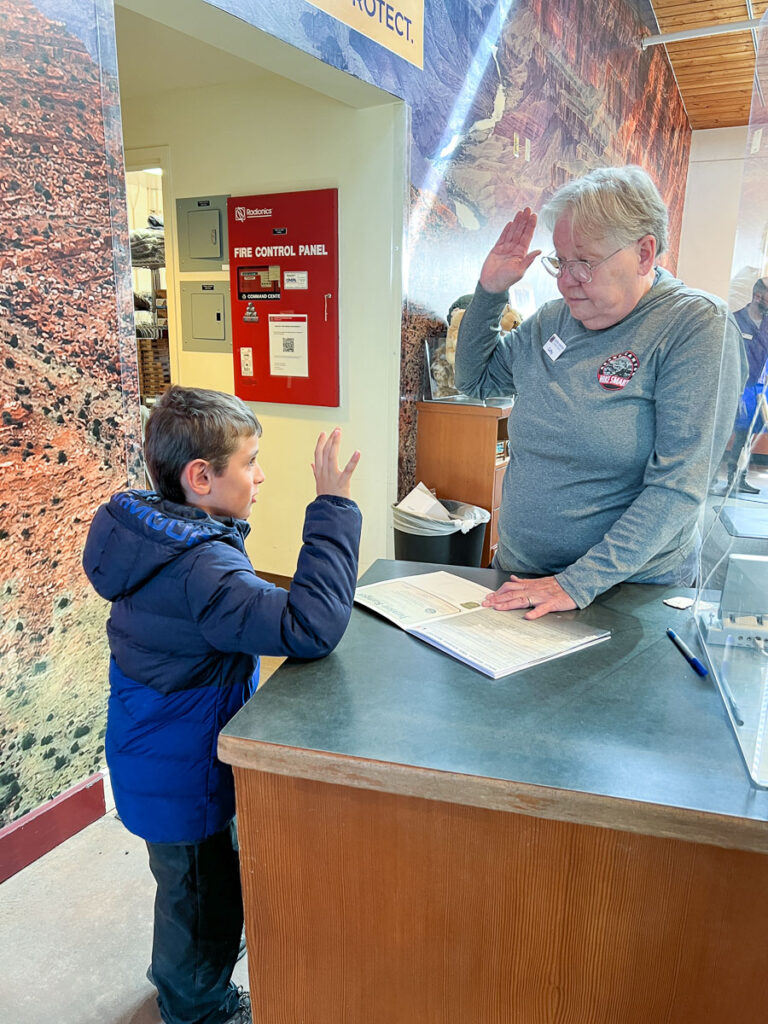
731 607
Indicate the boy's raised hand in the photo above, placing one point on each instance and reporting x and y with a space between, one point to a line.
329 479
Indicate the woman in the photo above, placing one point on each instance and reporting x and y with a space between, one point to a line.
616 428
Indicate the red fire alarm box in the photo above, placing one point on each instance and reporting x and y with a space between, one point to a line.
284 282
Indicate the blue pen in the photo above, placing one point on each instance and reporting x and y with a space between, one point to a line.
687 653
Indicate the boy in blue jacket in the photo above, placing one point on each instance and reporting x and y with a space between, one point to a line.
188 622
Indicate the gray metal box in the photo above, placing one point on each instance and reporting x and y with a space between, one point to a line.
205 319
201 224
204 234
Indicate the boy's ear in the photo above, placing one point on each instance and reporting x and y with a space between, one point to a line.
196 478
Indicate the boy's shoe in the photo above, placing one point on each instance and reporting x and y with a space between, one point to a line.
242 1014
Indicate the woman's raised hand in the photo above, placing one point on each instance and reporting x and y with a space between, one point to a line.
509 259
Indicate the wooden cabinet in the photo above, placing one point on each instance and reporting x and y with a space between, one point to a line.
456 456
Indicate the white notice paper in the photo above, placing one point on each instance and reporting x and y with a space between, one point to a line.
288 352
295 279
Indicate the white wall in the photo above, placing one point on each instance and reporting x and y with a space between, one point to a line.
711 213
275 135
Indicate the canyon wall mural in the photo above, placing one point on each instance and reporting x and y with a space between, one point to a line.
69 426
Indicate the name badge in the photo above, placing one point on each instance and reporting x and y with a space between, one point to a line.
554 347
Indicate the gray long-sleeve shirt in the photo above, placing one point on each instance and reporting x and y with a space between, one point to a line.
614 442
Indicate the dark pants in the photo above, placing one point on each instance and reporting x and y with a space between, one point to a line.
732 456
198 923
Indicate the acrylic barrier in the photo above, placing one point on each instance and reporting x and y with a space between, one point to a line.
731 607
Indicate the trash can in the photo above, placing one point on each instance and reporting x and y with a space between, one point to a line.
458 541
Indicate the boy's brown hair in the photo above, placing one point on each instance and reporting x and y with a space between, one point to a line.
193 423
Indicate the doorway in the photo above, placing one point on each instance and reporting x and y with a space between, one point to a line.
231 126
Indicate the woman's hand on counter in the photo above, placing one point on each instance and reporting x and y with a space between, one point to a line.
541 596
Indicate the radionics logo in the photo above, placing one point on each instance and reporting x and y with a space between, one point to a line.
242 213
397 25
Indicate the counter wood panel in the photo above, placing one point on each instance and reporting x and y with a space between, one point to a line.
577 843
372 908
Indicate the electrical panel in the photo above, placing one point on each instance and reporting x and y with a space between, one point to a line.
205 316
201 228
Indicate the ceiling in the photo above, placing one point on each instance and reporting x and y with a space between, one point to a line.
153 59
715 74
189 44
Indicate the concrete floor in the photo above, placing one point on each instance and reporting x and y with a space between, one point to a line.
76 933
76 930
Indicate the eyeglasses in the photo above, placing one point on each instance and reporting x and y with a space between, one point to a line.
580 270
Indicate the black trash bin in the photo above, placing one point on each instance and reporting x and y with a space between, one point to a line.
418 539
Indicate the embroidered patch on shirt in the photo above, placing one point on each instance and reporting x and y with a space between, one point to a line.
617 371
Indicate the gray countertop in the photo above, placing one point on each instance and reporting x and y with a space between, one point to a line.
623 734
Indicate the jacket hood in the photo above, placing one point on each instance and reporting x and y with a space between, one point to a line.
137 533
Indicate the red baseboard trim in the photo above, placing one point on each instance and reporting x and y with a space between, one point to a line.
37 833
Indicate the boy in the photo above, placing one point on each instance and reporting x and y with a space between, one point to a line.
188 622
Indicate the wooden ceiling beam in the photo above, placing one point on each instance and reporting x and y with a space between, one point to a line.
684 61
728 72
712 46
732 116
722 109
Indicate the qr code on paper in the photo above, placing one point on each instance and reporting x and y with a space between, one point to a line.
288 344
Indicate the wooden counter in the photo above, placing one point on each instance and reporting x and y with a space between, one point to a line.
576 843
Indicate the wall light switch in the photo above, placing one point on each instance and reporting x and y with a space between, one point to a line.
246 362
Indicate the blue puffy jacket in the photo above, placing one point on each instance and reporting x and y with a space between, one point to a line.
189 619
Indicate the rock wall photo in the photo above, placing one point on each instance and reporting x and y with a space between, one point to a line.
69 426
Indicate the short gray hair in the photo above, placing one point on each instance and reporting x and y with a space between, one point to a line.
620 202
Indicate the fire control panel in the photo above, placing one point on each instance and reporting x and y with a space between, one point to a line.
283 267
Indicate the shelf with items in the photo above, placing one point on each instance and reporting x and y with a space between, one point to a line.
151 314
456 456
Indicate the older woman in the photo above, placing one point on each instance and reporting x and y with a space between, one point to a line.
617 425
